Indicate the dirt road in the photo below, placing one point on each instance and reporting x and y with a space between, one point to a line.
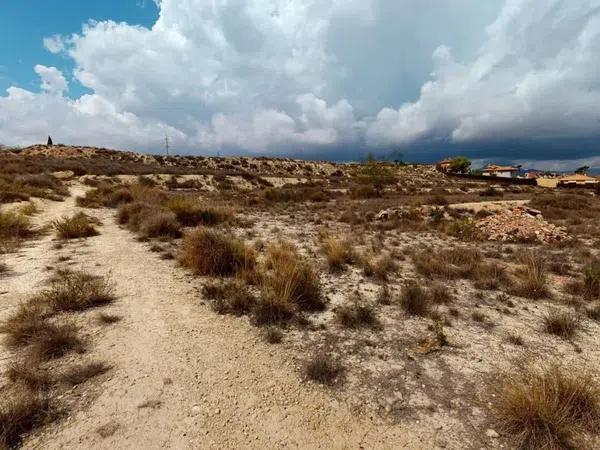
183 376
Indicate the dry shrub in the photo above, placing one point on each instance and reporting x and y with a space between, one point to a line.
415 300
356 315
107 319
190 212
292 279
532 279
24 324
229 297
20 414
131 214
160 224
515 339
460 262
272 310
210 252
29 373
338 252
440 294
464 229
549 407
14 225
491 277
564 324
379 267
591 280
55 340
323 369
76 291
84 372
272 335
75 227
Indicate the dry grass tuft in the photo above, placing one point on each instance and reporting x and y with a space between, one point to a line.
14 225
532 278
440 294
160 224
272 335
415 300
191 213
323 369
75 227
76 291
20 414
55 340
210 252
550 407
460 262
591 280
26 322
107 319
593 312
29 373
292 280
229 297
564 324
339 253
84 372
379 267
356 315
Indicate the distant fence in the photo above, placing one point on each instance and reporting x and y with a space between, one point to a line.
500 180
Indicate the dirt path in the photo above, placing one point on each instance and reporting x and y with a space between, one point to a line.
184 377
492 205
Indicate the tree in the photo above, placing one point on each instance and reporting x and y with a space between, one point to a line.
50 141
460 164
583 170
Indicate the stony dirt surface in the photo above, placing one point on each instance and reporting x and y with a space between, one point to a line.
520 224
183 377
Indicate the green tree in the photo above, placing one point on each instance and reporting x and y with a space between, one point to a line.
460 164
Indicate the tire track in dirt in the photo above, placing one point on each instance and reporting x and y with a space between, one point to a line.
184 377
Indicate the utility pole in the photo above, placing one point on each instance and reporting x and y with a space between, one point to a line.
167 144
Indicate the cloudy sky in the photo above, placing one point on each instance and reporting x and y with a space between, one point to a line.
494 79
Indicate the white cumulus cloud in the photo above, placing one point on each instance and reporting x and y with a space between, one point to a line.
280 75
53 81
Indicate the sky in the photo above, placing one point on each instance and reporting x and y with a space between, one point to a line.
496 80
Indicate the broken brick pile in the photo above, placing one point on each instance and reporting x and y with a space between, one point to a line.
520 224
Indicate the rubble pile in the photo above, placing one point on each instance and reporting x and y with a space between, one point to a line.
520 224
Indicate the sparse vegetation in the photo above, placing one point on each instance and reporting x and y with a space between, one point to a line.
562 323
82 373
338 252
229 297
323 369
75 227
415 300
532 279
21 413
548 407
356 314
76 291
210 252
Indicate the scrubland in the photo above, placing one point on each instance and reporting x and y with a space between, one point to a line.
227 302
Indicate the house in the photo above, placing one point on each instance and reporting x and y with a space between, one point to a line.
493 170
577 180
444 165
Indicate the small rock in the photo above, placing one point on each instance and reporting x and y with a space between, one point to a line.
491 433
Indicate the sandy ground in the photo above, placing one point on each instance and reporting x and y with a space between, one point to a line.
183 377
